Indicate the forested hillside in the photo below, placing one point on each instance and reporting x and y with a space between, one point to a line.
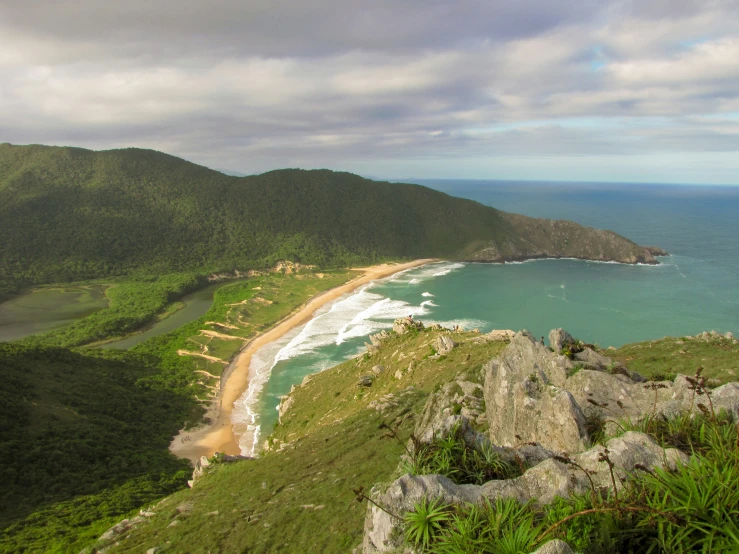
69 214
84 439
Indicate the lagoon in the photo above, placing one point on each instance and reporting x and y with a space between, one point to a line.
48 308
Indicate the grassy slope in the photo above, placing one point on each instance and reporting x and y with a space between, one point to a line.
719 357
335 445
100 422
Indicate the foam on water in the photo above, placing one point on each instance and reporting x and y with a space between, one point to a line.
427 294
426 272
354 315
464 324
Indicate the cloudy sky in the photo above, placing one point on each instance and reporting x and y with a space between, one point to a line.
644 90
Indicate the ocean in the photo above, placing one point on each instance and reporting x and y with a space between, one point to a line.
693 290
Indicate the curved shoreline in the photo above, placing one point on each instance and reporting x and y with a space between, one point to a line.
218 435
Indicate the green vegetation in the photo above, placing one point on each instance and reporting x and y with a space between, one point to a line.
694 508
239 312
68 214
663 359
87 428
133 304
339 439
100 421
452 457
329 443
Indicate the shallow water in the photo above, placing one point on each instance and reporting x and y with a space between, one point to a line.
46 309
196 305
693 290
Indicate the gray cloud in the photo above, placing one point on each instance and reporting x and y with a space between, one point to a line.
258 85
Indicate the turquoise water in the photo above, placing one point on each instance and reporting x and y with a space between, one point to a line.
693 290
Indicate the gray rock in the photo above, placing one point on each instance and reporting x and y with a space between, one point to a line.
285 404
402 325
499 335
726 397
444 344
729 336
378 369
626 452
377 338
590 356
443 408
559 338
120 528
599 393
542 484
365 381
525 401
555 546
382 532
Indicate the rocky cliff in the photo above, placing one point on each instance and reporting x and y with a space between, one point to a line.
532 238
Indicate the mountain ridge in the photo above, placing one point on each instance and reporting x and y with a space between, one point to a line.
70 213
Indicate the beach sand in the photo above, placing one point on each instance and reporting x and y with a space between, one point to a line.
218 436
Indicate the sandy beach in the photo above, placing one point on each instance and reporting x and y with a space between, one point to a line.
218 436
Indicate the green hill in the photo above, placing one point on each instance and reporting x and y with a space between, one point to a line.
84 439
69 214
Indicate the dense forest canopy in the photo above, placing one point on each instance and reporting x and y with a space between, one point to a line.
69 214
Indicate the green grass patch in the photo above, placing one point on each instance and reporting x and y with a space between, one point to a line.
666 357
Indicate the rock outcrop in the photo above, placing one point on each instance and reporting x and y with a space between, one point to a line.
558 338
444 344
546 238
202 465
404 324
538 404
541 484
453 403
525 399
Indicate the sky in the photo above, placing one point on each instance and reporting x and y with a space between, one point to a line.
638 91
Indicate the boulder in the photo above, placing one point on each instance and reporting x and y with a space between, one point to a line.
365 381
559 338
382 532
500 335
592 358
404 324
525 401
444 344
598 394
556 546
378 369
626 452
